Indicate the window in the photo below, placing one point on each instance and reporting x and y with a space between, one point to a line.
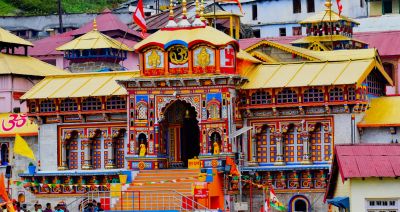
313 95
47 106
362 3
32 107
261 97
310 6
4 154
91 103
282 32
296 31
336 94
387 7
351 94
141 113
287 96
257 33
115 103
382 205
68 105
213 111
296 6
254 11
375 85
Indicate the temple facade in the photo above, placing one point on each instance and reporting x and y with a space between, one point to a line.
277 109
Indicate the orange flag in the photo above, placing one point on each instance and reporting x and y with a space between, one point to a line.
4 195
231 162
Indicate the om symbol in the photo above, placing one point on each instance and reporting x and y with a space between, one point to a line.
178 54
15 120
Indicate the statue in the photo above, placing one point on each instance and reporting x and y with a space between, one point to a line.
216 148
142 150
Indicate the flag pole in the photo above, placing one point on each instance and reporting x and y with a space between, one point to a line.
215 17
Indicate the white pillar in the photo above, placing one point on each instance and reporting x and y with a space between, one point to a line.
87 160
306 148
279 149
110 154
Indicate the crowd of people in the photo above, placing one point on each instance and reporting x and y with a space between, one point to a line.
91 206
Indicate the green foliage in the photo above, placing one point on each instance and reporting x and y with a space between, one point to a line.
46 7
30 164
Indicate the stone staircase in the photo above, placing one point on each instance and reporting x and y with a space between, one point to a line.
172 196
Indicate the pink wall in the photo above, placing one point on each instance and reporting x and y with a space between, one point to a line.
132 61
10 84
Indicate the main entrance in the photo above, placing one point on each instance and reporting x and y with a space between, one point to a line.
180 134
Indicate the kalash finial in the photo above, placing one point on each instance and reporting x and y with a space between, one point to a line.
184 22
202 11
171 22
94 25
328 5
197 21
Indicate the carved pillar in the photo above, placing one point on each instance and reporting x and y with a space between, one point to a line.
87 158
306 148
279 149
64 165
110 153
156 139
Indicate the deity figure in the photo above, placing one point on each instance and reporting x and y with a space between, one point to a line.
142 150
216 148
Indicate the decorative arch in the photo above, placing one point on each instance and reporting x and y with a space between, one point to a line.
214 109
298 203
164 102
141 110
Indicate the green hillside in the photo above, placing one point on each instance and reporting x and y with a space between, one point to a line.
45 7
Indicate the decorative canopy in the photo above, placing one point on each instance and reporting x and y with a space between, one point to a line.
8 37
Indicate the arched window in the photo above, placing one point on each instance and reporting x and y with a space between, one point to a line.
287 96
261 97
336 94
32 107
4 154
68 105
141 110
299 203
91 103
213 111
313 95
47 106
300 206
115 103
351 94
215 137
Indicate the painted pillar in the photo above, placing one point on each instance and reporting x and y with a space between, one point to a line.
279 149
64 165
87 160
306 148
156 138
110 154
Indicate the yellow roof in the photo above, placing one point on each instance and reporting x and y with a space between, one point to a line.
80 85
8 37
325 38
352 54
27 128
246 56
188 36
311 74
220 13
264 57
25 65
94 40
382 112
326 16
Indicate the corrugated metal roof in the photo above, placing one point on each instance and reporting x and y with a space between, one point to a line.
80 85
368 160
311 74
25 65
382 112
327 16
8 37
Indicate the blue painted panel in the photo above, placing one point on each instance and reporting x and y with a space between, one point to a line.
217 96
142 98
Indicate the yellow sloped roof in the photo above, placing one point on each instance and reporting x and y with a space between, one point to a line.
264 57
188 36
25 65
221 13
326 16
324 38
246 56
8 37
80 85
311 74
382 112
94 40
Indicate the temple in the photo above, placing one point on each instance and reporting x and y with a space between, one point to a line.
277 109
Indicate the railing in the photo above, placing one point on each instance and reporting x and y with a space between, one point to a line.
138 200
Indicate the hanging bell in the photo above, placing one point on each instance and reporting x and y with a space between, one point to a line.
187 115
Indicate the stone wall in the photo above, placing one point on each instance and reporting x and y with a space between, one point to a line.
48 147
93 66
342 128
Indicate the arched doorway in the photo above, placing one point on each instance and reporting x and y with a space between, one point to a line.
180 133
299 203
4 154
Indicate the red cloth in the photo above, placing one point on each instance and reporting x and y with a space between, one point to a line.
339 6
138 17
231 162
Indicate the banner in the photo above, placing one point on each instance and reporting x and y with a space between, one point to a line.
16 123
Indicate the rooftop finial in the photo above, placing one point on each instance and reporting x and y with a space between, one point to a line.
197 9
171 23
328 5
94 25
184 9
202 10
197 21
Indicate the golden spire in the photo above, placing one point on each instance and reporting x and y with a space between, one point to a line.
171 10
184 9
197 9
328 5
202 10
94 25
